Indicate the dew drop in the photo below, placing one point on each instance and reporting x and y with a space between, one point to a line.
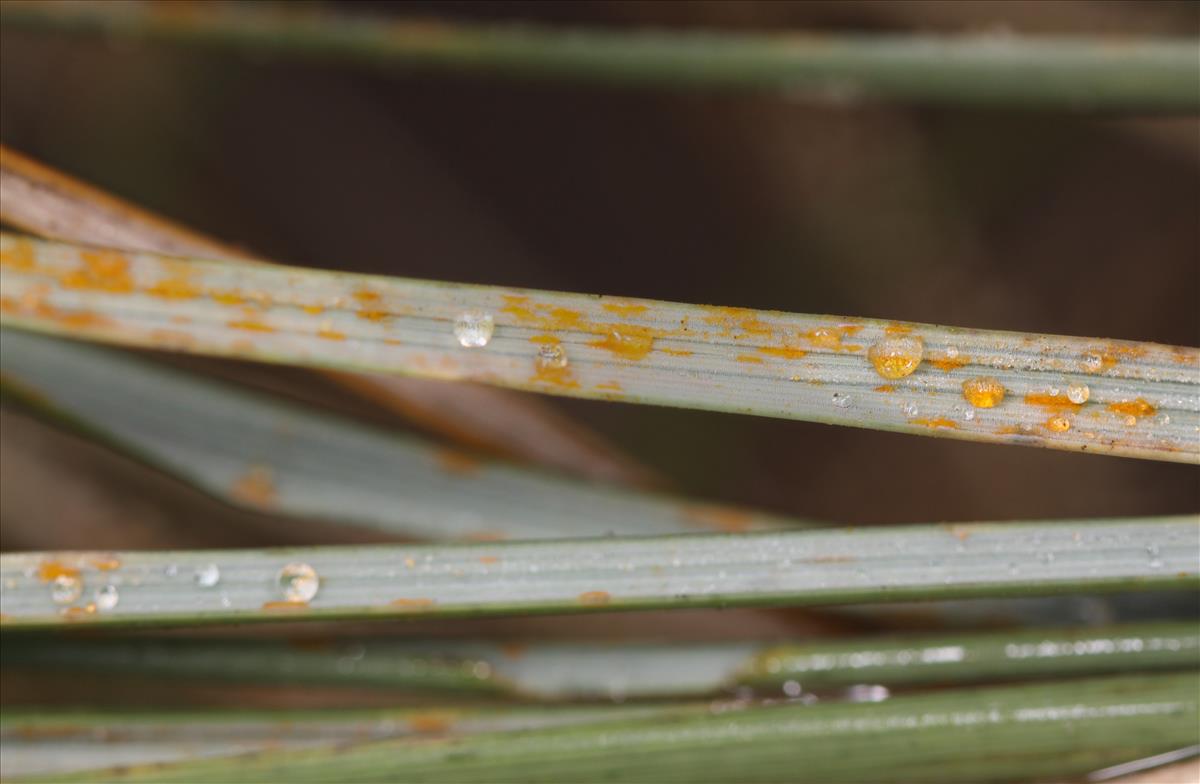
1054 391
792 688
867 692
896 356
170 570
969 414
299 582
208 575
1078 393
841 400
1155 557
1058 424
983 391
474 329
66 588
226 601
107 597
951 352
911 410
1092 362
1131 421
552 356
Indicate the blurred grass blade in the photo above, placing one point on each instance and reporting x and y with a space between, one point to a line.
1058 72
1026 732
600 670
48 203
43 742
263 453
1122 398
798 568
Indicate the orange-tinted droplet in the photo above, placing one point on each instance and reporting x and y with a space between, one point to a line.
983 391
896 356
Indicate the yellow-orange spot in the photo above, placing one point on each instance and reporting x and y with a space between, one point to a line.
459 463
488 559
1009 430
936 423
544 340
564 318
372 315
429 723
1135 408
102 270
393 342
627 342
958 532
286 606
733 320
413 604
329 333
366 295
947 363
1056 403
105 563
49 571
594 597
513 650
787 352
558 376
1057 424
174 288
830 338
227 297
250 324
518 307
676 352
610 386
897 329
885 388
983 391
750 358
313 310
78 613
623 309
722 518
255 487
19 255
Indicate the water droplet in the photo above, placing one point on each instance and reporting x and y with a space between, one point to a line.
481 670
911 410
107 597
969 414
863 692
1054 391
299 582
951 352
226 601
208 575
1155 560
552 355
1078 393
66 588
1013 568
792 688
1164 419
170 570
896 356
841 400
474 329
1058 424
983 391
1092 362
1131 421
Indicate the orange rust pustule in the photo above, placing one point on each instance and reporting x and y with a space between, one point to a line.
1057 424
935 423
227 297
676 352
488 559
830 338
1138 407
594 597
174 287
946 364
886 389
731 321
372 315
285 606
623 309
366 295
627 342
430 723
563 377
787 352
750 359
610 386
102 270
251 325
413 604
458 463
19 256
1055 403
48 571
256 487
105 563
897 329
33 303
330 334
79 613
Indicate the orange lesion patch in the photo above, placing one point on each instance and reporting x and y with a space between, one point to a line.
946 363
33 303
413 604
104 563
458 463
256 487
935 423
830 338
676 352
51 570
750 358
366 296
79 613
610 386
737 322
722 518
430 723
285 606
625 310
488 559
101 270
177 285
886 389
252 325
895 328
1136 408
1054 403
18 255
594 598
627 341
372 315
787 352
227 297
327 332
563 377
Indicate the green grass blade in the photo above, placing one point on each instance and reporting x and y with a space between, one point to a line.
996 734
600 670
799 568
1142 399
1070 72
37 742
256 451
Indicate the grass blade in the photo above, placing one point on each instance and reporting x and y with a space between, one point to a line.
51 204
259 452
988 70
800 568
599 670
1137 399
996 734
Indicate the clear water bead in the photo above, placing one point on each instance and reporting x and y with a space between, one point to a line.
107 597
911 410
792 689
1078 393
208 575
552 355
299 582
841 400
474 329
66 588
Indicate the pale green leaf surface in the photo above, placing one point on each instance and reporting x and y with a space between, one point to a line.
799 568
1143 398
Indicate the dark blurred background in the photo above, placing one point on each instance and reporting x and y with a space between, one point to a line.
1042 221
